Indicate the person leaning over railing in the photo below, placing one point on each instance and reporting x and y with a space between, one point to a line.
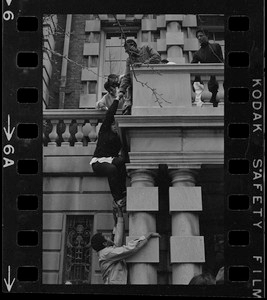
137 56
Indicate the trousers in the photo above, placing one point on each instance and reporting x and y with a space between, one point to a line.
116 174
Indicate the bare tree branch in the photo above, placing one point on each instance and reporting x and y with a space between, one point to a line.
72 61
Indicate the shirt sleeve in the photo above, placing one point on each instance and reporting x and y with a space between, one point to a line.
120 253
126 79
101 102
119 232
109 118
219 52
154 56
195 59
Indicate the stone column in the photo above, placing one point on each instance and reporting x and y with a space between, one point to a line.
174 38
187 247
142 202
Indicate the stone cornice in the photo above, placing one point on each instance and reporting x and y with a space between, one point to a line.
174 160
198 119
189 68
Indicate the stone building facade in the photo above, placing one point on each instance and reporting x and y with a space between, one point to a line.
175 150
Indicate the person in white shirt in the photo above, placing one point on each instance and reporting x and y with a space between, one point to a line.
111 86
112 254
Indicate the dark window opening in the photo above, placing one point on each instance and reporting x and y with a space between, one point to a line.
78 253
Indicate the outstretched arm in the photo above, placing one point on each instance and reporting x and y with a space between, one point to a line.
154 56
119 232
109 118
126 79
219 53
119 253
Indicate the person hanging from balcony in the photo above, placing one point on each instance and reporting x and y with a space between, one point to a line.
137 57
208 53
112 253
107 160
111 86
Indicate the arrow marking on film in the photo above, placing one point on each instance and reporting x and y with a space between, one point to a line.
8 2
8 284
7 132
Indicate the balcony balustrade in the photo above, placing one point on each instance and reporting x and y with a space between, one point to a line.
158 90
71 127
168 89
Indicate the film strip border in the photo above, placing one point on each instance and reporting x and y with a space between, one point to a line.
244 163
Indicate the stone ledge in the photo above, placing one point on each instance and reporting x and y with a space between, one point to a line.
187 249
185 199
142 199
148 254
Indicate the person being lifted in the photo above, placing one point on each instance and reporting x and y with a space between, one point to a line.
137 57
112 254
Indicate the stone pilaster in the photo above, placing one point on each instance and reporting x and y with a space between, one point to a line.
187 247
142 202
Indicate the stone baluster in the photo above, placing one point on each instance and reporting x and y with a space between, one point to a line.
79 134
187 247
204 94
199 88
220 95
66 134
142 202
93 133
53 135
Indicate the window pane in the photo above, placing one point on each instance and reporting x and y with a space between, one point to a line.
78 253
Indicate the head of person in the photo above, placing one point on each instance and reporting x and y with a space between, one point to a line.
203 279
202 36
113 80
130 47
111 84
99 242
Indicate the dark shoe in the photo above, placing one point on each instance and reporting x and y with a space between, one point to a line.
127 110
215 104
213 99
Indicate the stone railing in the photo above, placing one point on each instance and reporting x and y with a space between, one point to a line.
168 89
170 85
71 127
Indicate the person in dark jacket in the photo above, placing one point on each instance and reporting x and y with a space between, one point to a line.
107 161
208 53
137 57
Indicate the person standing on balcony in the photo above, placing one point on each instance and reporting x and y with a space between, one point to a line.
111 86
137 57
112 253
107 161
208 53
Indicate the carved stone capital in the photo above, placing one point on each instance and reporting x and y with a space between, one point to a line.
183 177
142 177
